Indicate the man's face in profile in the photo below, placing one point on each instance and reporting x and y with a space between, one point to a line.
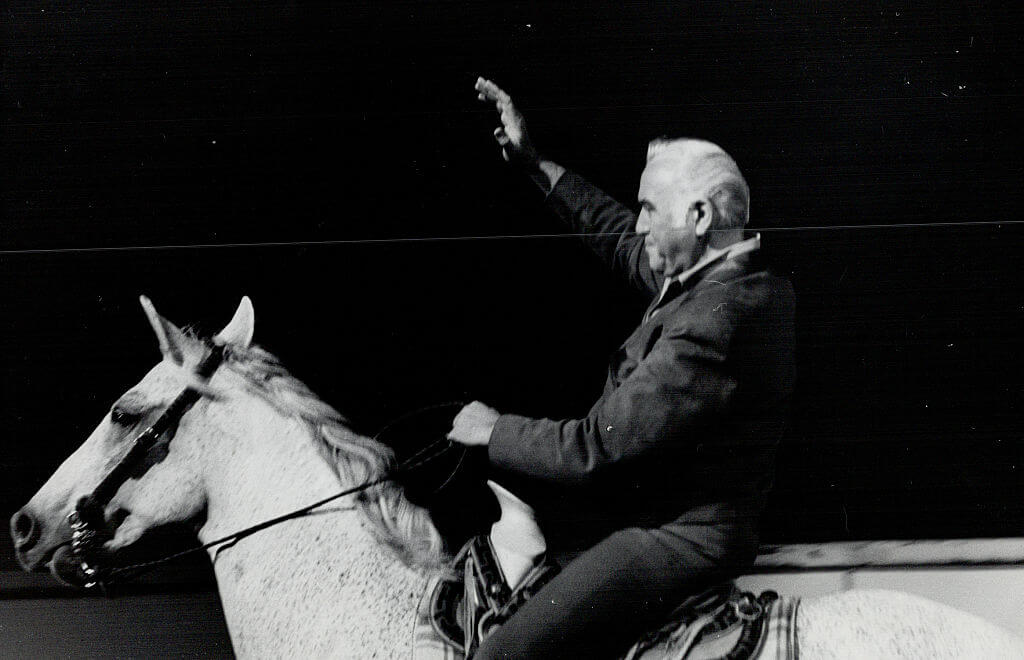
671 241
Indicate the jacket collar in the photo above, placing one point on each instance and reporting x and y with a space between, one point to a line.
721 262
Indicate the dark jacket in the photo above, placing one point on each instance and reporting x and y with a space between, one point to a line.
685 432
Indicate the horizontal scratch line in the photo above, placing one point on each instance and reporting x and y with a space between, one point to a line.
453 239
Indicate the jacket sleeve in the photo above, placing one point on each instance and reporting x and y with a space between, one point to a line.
588 210
682 385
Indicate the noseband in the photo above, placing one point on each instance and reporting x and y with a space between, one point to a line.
88 520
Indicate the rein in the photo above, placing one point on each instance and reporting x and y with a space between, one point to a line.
87 521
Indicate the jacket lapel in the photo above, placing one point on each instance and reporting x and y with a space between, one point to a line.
716 274
640 343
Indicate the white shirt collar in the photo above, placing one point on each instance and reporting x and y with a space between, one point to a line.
714 254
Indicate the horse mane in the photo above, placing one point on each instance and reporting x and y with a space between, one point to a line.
394 520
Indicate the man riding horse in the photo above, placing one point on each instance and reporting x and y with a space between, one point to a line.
662 483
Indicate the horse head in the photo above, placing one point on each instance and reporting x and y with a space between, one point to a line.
168 484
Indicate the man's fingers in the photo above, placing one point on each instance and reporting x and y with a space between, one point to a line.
456 430
487 87
511 121
465 413
490 92
487 91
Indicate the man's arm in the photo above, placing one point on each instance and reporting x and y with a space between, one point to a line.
609 227
678 389
682 387
579 203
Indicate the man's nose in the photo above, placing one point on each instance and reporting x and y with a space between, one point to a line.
643 224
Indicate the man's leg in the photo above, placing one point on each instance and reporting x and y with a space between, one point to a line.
606 598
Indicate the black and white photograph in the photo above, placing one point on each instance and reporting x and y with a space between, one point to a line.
450 330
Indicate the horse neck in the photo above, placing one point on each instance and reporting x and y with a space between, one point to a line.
316 586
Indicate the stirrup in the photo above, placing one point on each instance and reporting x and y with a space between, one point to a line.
472 600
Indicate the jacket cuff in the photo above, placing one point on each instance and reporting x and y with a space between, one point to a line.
503 447
568 195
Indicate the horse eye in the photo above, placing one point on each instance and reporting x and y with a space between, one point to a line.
123 417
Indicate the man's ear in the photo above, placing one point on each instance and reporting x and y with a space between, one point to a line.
702 212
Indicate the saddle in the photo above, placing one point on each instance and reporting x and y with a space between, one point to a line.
494 574
737 619
471 600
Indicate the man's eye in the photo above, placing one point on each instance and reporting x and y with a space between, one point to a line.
123 417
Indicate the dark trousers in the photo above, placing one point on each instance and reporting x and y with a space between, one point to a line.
602 601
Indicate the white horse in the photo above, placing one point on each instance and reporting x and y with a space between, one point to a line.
345 580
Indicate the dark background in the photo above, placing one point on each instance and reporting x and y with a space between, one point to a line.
131 131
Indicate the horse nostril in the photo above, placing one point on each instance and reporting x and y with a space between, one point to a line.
24 530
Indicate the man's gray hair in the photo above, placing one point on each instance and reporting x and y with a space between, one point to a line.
710 171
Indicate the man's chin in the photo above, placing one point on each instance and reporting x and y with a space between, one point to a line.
656 262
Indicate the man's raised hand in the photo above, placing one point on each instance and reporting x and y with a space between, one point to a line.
515 142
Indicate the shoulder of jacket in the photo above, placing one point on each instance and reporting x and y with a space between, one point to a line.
749 290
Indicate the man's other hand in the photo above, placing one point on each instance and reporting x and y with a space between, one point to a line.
515 142
473 425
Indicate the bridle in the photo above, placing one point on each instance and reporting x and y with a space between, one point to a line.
88 520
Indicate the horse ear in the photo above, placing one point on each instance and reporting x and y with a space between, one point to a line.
172 340
238 331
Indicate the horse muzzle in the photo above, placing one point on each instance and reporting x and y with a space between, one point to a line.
34 541
38 545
